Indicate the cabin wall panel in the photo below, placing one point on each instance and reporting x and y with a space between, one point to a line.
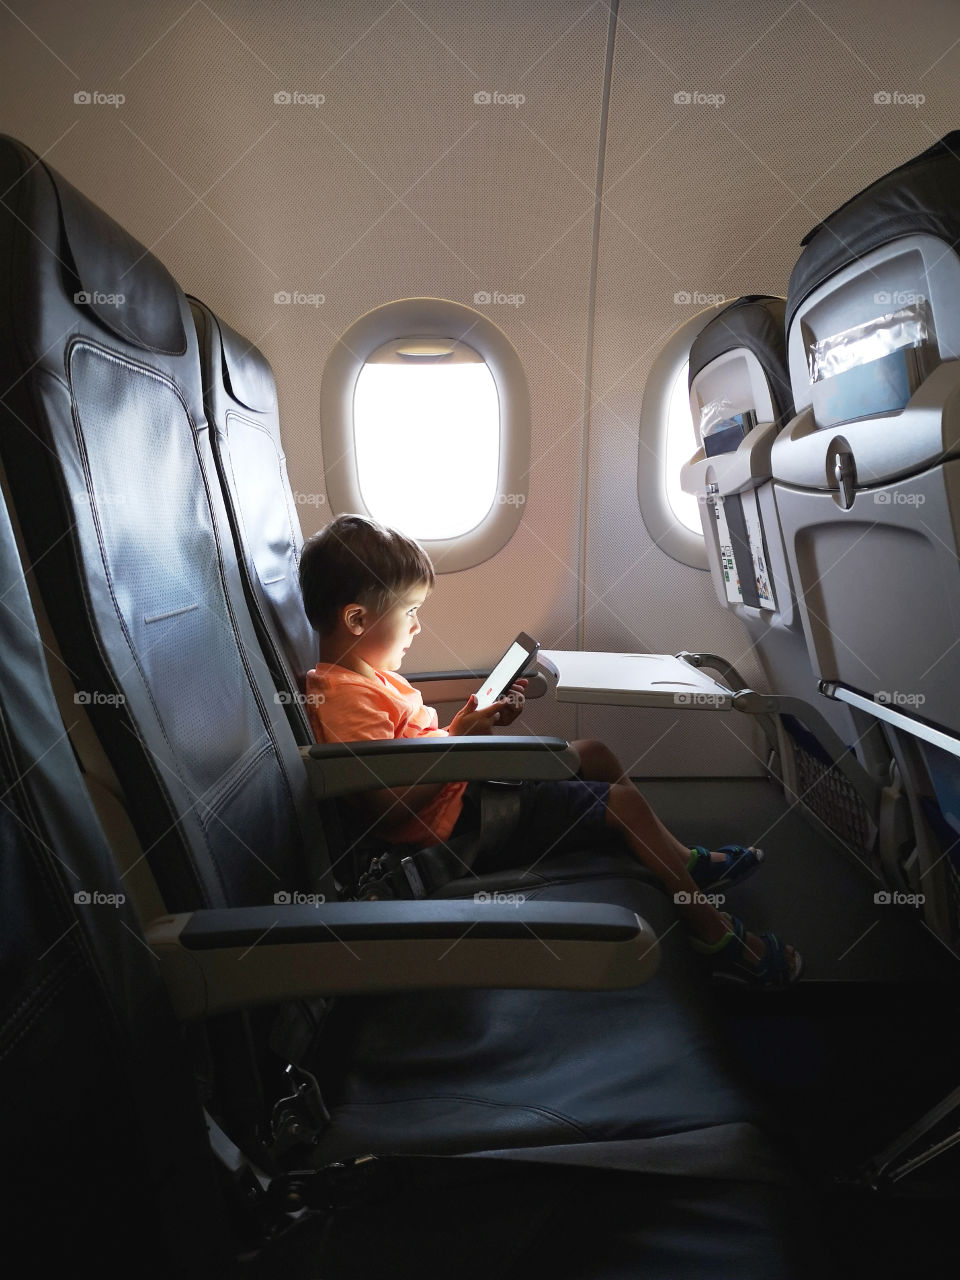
398 185
714 200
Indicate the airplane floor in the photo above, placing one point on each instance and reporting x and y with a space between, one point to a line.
811 890
852 1056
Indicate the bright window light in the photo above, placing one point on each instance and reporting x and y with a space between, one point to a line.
427 433
681 446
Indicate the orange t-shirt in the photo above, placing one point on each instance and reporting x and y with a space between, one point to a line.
345 706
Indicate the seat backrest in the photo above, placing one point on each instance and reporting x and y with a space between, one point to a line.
240 397
877 277
740 357
867 474
739 398
100 1104
740 389
107 451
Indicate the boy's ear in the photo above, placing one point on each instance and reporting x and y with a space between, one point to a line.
354 618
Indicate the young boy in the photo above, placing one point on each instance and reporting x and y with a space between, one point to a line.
363 586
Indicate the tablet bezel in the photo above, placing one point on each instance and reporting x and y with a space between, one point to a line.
531 648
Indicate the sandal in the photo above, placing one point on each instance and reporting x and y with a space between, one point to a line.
774 970
739 863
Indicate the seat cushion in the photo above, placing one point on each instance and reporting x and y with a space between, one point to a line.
458 1071
569 1224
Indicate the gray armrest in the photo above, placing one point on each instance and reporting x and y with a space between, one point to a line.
217 960
336 769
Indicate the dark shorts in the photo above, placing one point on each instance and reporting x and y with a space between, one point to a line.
554 817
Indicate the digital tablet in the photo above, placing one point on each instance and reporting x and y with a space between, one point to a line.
510 666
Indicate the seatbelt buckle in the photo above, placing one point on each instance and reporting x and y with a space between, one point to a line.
372 883
300 1118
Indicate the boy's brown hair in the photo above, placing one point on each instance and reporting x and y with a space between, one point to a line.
357 559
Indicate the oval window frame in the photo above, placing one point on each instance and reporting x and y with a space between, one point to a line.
409 318
666 530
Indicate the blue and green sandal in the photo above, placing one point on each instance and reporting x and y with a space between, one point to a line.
739 863
776 969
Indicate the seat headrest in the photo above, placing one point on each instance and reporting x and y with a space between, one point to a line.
920 196
755 322
246 373
129 291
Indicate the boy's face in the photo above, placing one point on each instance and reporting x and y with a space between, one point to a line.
387 639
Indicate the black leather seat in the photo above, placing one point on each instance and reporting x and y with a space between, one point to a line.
105 443
108 458
240 397
104 1144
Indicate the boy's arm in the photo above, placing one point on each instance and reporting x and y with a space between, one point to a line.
390 806
350 712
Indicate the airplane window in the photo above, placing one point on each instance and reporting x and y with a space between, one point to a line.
681 445
666 441
426 423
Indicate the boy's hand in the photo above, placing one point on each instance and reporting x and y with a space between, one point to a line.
511 704
469 721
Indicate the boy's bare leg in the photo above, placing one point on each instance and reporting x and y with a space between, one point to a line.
656 848
629 813
598 762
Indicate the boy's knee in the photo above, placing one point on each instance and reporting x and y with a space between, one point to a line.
596 759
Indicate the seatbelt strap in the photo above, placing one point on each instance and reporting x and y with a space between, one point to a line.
499 811
405 871
408 872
